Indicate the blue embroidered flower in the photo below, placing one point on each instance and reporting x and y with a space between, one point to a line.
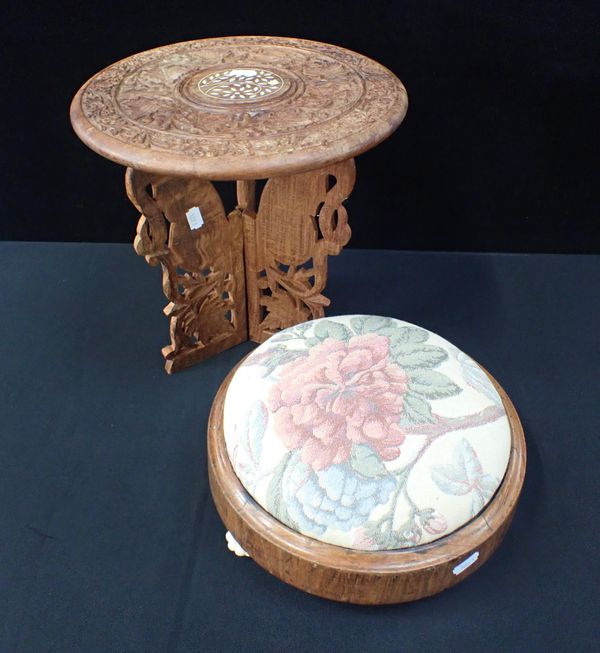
336 496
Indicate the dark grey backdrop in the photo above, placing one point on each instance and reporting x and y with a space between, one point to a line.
498 151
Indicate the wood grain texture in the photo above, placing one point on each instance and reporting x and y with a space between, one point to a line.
300 221
367 577
203 269
243 107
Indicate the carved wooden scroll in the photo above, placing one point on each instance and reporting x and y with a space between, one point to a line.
202 263
300 221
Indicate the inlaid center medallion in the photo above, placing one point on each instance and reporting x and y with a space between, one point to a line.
240 84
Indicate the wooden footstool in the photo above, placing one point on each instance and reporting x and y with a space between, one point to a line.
364 459
239 109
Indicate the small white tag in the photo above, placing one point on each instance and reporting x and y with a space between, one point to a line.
194 218
466 563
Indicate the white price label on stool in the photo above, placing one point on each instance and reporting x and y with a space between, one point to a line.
194 218
465 564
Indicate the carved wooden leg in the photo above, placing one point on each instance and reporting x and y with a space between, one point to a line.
300 221
201 259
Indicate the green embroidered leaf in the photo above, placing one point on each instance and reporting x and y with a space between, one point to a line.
330 329
464 475
432 385
416 410
283 337
275 502
258 356
358 324
381 532
378 323
408 534
302 328
311 342
410 357
366 462
466 459
282 358
477 378
373 324
293 333
386 537
409 335
450 479
274 356
488 484
387 326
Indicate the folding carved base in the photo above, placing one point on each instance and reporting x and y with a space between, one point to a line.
246 274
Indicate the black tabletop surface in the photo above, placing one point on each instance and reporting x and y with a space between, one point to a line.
110 542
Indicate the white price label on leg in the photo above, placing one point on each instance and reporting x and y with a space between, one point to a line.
194 218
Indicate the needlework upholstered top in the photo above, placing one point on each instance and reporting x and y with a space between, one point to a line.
241 107
366 432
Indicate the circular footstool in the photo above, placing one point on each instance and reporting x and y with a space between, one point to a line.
365 459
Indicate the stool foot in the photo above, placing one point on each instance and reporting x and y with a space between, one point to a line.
233 545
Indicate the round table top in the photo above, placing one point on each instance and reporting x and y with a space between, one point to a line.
242 107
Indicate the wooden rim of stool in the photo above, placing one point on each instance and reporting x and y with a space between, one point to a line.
367 577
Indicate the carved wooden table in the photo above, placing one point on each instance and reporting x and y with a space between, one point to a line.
240 109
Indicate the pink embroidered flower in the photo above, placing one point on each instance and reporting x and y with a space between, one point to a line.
340 394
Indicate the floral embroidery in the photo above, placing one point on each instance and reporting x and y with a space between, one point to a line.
339 394
335 496
345 413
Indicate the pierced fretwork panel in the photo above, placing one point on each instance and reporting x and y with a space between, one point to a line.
300 221
201 259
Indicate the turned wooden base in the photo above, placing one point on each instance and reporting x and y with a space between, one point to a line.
369 577
246 274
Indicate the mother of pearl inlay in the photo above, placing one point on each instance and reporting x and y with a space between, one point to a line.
240 84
